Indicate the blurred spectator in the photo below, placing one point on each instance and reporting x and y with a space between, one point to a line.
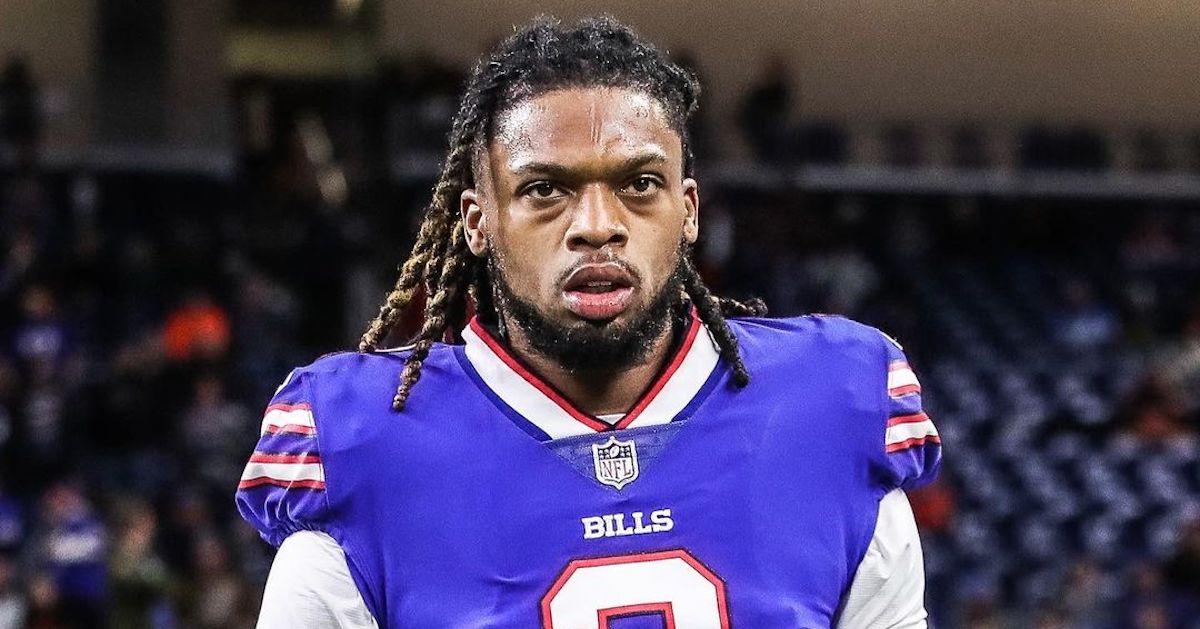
1183 572
1156 268
19 255
219 591
933 507
1151 246
12 602
842 277
9 392
700 126
12 522
216 431
715 249
822 142
1051 619
968 145
132 398
1084 323
1147 605
45 421
268 316
42 345
424 101
140 580
197 330
982 613
72 551
20 120
1082 601
904 146
46 609
41 340
1154 415
766 113
1178 362
188 516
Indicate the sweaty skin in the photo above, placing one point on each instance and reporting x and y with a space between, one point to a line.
584 177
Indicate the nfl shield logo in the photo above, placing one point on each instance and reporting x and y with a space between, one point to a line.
616 462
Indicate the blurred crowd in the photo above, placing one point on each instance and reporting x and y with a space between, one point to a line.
144 321
146 317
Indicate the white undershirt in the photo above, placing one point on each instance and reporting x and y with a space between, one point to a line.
310 585
888 591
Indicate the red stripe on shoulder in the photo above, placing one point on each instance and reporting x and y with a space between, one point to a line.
289 484
264 457
915 418
904 390
297 429
299 406
912 443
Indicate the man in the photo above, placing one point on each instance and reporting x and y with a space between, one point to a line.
606 449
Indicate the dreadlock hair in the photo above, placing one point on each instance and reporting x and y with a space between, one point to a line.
539 58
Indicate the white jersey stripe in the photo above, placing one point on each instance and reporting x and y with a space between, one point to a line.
516 391
285 471
902 377
280 416
910 430
684 384
556 422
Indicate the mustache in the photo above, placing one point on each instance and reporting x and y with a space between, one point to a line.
599 257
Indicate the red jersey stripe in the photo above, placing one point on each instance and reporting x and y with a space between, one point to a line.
912 443
908 419
266 480
264 457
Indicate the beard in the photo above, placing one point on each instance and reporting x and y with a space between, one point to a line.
591 346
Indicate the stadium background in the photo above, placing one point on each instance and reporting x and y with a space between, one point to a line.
196 196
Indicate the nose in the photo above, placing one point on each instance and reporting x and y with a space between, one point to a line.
598 220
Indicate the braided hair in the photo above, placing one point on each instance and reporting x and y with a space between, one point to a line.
541 57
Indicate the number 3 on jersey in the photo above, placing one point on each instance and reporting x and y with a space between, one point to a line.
672 583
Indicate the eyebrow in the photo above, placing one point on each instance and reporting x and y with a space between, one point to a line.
559 171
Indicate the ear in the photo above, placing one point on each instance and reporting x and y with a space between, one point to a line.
691 208
474 225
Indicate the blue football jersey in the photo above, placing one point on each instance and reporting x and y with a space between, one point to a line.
492 501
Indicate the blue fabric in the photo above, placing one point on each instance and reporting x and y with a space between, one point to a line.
916 465
453 513
278 511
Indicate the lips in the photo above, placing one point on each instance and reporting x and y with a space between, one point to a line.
598 291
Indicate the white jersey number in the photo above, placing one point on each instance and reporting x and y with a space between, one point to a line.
672 583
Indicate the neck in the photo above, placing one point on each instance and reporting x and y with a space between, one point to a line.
599 392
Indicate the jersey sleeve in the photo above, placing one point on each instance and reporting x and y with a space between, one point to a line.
282 489
912 447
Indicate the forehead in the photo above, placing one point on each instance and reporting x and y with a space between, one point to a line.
578 126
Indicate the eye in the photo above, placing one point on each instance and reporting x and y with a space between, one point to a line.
542 191
642 185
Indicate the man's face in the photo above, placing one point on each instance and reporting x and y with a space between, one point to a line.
582 208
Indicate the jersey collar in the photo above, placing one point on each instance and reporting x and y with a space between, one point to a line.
551 412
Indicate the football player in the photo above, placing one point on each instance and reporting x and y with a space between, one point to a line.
611 445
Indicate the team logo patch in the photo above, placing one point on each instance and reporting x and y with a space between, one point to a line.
616 462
